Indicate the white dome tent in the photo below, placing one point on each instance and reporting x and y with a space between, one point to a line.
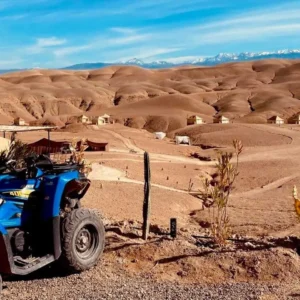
182 140
160 135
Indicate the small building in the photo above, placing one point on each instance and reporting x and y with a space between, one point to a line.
160 135
101 120
20 122
193 120
182 140
221 120
276 120
98 121
295 119
84 119
106 118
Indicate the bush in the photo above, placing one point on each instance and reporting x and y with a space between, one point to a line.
17 151
216 193
297 201
78 157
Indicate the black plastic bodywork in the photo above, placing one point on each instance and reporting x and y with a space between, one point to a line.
9 263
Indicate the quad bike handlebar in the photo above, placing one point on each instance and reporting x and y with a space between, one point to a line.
35 163
11 164
44 163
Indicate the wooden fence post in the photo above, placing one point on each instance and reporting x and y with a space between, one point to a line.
147 199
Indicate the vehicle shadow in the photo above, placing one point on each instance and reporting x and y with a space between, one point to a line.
46 272
115 240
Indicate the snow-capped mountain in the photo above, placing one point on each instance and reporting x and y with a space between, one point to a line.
206 61
133 61
202 61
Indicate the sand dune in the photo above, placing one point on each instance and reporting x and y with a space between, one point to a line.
247 92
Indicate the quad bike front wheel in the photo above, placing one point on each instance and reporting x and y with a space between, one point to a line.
83 240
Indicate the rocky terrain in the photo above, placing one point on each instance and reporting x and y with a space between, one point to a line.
261 207
262 261
157 100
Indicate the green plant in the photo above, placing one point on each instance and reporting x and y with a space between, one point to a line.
216 192
17 151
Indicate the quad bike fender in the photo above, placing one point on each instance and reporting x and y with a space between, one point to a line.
77 188
54 187
3 230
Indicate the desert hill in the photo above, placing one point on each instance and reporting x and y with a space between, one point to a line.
248 92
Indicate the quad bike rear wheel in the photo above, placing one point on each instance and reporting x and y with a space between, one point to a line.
83 239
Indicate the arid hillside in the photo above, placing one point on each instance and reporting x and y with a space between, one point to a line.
260 262
161 100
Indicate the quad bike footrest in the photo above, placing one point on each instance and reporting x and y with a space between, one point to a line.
30 262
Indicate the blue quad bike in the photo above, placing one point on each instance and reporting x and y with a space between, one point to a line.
42 221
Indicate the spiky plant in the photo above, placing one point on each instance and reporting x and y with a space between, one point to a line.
216 193
16 151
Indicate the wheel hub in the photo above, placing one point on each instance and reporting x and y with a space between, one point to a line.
83 242
86 241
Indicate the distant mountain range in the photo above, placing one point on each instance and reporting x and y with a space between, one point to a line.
207 61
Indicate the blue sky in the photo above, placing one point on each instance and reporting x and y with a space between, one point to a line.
57 33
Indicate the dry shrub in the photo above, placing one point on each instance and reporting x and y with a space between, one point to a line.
190 186
17 151
216 193
297 201
77 157
59 158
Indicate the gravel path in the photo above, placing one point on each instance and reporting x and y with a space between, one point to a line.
100 283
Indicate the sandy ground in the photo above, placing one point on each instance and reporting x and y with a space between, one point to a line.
261 206
268 172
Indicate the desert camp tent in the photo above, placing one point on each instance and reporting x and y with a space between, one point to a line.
20 122
44 146
183 140
160 135
295 119
221 120
193 120
98 121
101 120
106 118
275 120
92 146
84 119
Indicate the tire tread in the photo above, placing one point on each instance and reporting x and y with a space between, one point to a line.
71 222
